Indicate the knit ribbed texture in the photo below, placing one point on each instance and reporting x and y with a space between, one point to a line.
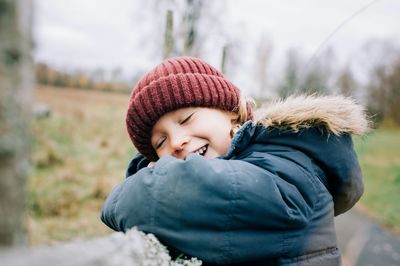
175 83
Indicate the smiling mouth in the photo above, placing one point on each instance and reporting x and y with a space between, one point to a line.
201 151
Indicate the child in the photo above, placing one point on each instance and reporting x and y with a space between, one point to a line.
214 184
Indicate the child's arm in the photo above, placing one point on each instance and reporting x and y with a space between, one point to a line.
201 206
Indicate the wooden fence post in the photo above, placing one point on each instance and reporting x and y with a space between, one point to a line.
16 83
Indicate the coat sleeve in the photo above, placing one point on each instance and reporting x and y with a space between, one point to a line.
218 210
137 163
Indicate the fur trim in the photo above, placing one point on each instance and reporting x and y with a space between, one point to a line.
337 114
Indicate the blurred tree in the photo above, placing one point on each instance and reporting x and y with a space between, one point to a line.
60 79
393 81
71 81
116 74
231 57
168 35
314 81
190 29
47 75
41 72
263 55
317 73
377 93
346 83
372 53
51 76
98 75
384 92
197 23
16 82
381 60
224 58
84 81
315 76
196 29
291 75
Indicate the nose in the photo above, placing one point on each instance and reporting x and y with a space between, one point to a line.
178 143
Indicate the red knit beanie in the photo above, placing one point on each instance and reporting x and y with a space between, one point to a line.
176 83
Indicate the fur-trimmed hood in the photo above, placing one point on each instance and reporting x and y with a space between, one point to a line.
337 114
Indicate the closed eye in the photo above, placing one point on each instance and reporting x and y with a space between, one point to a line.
186 119
160 143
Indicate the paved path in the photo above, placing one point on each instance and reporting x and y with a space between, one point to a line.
364 243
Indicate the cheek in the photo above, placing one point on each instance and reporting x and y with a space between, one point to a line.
227 140
162 152
224 140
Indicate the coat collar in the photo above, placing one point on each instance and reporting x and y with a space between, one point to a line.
241 139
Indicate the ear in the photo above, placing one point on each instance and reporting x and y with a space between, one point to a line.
234 129
234 118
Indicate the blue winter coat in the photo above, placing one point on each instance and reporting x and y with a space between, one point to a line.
267 201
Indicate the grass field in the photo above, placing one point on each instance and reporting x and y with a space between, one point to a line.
80 152
379 155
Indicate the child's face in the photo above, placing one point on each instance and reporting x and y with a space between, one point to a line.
204 131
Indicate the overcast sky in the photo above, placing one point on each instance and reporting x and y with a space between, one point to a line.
88 34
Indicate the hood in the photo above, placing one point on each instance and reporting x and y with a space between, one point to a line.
337 114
